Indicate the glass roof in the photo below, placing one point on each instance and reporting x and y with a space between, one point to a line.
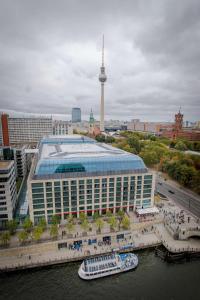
89 156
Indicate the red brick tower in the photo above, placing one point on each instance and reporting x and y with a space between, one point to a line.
5 130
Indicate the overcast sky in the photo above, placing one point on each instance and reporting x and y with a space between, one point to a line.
50 54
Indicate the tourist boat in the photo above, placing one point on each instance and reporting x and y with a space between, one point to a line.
105 265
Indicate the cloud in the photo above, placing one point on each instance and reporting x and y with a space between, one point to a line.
51 54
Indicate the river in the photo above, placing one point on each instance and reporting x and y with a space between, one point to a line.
153 279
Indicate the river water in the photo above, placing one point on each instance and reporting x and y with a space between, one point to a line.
153 279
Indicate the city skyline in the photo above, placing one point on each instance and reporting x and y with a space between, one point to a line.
49 67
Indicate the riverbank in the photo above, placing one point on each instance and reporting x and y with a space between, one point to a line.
58 252
64 251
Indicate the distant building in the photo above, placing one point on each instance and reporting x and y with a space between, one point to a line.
149 127
76 115
178 131
8 192
24 130
60 127
4 130
74 174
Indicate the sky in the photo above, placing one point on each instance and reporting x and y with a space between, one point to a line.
50 56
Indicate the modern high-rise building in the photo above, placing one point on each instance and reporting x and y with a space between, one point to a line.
74 174
76 115
8 192
102 79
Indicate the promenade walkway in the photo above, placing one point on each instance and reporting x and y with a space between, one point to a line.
176 246
30 256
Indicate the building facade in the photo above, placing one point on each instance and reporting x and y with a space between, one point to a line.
18 155
60 127
8 192
76 174
76 115
29 130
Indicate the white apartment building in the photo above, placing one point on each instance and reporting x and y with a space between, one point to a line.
29 130
8 192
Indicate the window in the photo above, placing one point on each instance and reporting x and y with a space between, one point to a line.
36 185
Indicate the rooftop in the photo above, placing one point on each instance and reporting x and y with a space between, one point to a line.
75 153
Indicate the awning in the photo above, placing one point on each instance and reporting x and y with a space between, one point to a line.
146 211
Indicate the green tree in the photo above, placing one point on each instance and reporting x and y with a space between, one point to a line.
23 236
54 230
150 157
70 224
85 225
37 233
100 224
28 225
96 215
55 219
134 143
5 238
128 148
113 222
110 139
108 213
180 146
82 216
12 226
120 214
125 222
42 224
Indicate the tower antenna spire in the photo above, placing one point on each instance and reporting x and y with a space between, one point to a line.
103 51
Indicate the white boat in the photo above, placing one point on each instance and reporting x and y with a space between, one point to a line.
105 265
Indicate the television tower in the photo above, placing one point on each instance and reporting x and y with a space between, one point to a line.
102 79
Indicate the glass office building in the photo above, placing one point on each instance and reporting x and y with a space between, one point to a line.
74 174
76 115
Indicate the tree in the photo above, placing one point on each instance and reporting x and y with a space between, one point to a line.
134 143
55 219
85 225
82 216
37 232
108 213
180 146
5 238
120 214
100 224
70 226
42 224
23 236
125 222
96 215
150 157
113 222
28 225
70 219
12 226
54 230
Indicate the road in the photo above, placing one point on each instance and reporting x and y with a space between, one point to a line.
187 200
